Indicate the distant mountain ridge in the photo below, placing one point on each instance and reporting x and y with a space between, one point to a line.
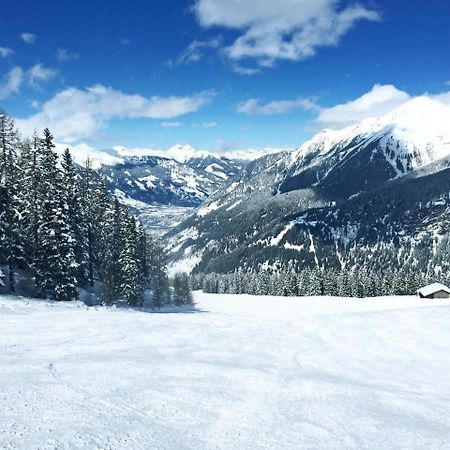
323 204
186 179
163 187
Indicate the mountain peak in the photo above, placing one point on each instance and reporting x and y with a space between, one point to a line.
418 106
183 153
418 131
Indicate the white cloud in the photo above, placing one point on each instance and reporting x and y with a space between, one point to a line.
11 83
209 124
274 30
82 152
196 50
40 73
5 52
15 78
63 54
252 107
212 124
28 38
380 100
241 70
171 124
443 97
74 114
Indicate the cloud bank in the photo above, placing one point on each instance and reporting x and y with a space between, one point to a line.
75 114
377 102
380 100
276 30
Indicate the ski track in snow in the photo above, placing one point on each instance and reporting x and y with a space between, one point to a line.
243 373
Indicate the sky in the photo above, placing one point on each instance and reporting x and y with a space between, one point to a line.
218 75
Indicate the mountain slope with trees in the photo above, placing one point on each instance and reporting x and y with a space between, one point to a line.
60 228
375 194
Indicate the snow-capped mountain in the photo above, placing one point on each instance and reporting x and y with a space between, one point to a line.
309 206
181 176
164 186
373 151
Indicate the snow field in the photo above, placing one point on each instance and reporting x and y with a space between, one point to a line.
242 373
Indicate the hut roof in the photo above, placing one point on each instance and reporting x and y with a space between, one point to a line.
432 289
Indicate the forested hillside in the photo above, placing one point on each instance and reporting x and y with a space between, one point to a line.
374 195
61 230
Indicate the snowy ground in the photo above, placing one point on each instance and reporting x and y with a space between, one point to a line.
246 373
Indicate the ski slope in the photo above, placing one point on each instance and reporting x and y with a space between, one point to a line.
241 373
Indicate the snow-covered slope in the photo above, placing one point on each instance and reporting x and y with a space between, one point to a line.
245 373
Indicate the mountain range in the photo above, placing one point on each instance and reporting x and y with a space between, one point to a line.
164 187
376 193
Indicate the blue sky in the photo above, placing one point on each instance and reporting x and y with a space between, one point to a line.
219 75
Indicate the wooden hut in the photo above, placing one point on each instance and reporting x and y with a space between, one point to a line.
435 290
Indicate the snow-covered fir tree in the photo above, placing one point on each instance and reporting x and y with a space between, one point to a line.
10 210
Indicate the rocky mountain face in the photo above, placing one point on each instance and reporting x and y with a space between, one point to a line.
376 193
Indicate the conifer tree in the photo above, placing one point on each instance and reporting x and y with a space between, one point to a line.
181 290
158 281
55 263
131 277
76 223
111 267
10 213
87 197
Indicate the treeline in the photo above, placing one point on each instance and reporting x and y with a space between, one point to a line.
58 223
315 282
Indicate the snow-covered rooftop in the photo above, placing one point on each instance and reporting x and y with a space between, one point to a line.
432 289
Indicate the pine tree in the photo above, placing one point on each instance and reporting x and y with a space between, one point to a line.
10 213
71 196
131 278
181 290
316 284
158 281
91 222
55 263
31 200
111 267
